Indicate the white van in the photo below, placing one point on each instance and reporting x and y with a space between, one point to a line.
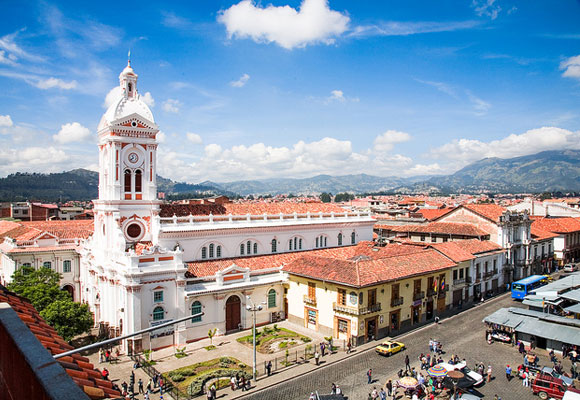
570 395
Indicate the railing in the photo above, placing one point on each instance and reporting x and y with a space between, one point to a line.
309 300
244 219
487 274
477 277
396 301
356 310
418 296
458 281
168 387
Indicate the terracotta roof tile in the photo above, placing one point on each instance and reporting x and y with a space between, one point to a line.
431 214
447 228
258 208
489 211
540 234
76 366
557 225
453 250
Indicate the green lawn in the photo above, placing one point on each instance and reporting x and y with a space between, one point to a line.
272 339
192 378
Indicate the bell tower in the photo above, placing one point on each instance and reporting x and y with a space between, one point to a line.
127 199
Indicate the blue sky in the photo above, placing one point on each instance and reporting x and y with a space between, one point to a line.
249 90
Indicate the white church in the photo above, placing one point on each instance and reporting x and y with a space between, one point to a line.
148 262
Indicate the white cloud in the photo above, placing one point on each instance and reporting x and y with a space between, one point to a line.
240 82
148 99
395 28
489 8
72 132
5 121
387 140
337 95
171 20
161 137
480 107
441 86
194 138
171 106
112 96
28 159
56 83
571 67
464 151
314 22
13 52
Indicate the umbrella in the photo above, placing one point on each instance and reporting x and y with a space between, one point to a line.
437 371
408 382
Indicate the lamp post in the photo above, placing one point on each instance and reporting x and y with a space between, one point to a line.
254 308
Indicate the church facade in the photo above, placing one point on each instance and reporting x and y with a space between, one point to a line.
148 262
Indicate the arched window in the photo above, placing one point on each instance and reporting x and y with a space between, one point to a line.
203 253
274 245
138 181
242 249
249 247
158 313
127 180
196 309
300 244
317 239
211 248
290 245
271 298
340 239
255 248
47 264
295 240
219 251
352 238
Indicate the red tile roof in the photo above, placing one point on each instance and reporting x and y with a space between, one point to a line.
453 251
540 234
431 214
257 263
489 211
557 225
75 229
76 366
259 208
365 272
466 250
447 228
475 247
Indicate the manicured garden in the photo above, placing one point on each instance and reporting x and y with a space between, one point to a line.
191 379
272 339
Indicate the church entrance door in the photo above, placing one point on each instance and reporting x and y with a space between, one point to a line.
233 313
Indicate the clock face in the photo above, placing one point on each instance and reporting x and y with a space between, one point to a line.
133 157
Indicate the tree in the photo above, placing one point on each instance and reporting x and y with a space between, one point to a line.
326 197
211 334
68 318
40 286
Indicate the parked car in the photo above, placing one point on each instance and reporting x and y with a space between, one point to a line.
571 394
546 386
569 267
389 347
550 371
477 378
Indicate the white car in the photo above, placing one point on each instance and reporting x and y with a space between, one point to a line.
569 268
478 379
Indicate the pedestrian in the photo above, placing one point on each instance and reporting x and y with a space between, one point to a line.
389 388
161 385
521 347
155 380
243 383
400 373
407 363
149 385
430 345
140 386
124 386
233 383
333 388
100 355
428 358
348 347
489 373
525 381
312 396
269 367
322 348
374 394
107 355
146 396
105 374
212 388
338 390
508 373
437 320
370 376
316 357
382 394
574 370
209 394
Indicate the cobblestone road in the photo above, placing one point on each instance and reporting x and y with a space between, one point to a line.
463 334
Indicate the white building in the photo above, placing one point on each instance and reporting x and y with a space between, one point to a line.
148 263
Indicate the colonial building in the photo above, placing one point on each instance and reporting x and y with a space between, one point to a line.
148 263
566 239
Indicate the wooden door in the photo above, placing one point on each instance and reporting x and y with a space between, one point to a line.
233 313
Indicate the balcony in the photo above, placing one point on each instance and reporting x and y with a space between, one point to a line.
477 277
356 310
310 300
418 296
495 271
396 301
457 282
487 274
468 279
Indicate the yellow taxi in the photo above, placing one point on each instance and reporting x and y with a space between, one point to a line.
389 347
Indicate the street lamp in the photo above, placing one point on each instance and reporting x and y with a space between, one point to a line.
254 308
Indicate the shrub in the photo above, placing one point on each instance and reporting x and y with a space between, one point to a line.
283 345
305 339
177 377
276 327
210 347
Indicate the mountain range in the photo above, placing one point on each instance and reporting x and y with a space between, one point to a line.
548 171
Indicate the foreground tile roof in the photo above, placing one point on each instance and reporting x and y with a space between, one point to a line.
367 271
29 230
540 234
465 250
557 225
258 208
76 366
447 228
489 211
431 214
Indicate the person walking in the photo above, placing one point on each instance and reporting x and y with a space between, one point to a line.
149 385
316 357
100 355
525 381
333 388
348 347
508 373
382 394
370 376
269 367
489 373
389 388
322 348
374 393
140 386
407 363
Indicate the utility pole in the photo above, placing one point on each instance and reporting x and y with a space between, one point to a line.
254 308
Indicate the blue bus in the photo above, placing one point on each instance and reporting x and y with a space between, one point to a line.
524 286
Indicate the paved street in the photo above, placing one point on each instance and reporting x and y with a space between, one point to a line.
462 334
